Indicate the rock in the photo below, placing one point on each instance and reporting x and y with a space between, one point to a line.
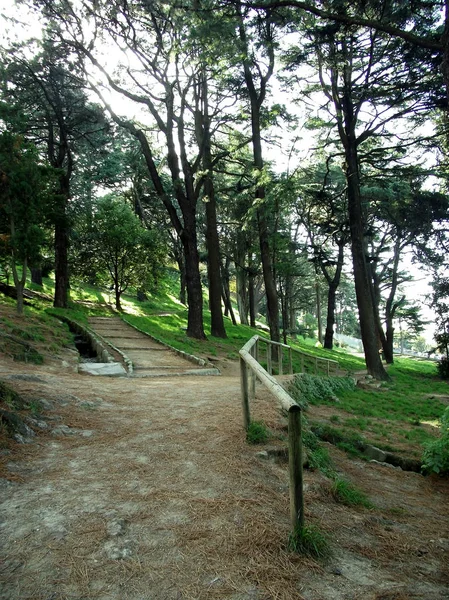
369 385
118 552
87 433
21 439
46 404
374 453
385 464
116 527
108 369
15 426
25 377
263 455
63 430
39 424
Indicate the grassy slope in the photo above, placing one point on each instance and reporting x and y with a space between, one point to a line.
399 415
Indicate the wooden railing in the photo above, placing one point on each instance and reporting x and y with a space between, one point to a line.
250 370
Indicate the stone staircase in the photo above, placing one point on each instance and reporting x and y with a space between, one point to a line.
144 356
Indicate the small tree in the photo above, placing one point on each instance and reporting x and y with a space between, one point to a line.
23 197
119 249
440 304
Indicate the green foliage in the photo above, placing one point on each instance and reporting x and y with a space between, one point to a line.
25 193
347 494
319 458
311 389
443 367
310 541
10 397
436 455
115 248
257 433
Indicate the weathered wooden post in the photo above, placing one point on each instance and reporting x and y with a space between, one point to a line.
295 467
269 359
252 376
245 393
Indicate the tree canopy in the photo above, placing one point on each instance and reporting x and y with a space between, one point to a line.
183 111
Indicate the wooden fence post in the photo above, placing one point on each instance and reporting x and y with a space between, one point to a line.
252 385
245 393
295 467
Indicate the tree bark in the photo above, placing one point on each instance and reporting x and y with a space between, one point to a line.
318 311
256 98
36 275
241 278
333 283
212 241
330 320
362 279
62 243
252 300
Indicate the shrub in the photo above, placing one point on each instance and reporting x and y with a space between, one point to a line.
443 367
345 493
436 455
310 541
309 389
257 433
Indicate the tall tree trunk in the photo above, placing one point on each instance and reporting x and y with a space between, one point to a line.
256 98
241 278
193 280
333 282
186 230
318 310
330 320
227 291
19 282
62 246
36 275
252 300
362 279
212 241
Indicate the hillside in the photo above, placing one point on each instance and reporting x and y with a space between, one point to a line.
146 488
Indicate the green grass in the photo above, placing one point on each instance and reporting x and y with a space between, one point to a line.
310 541
382 416
346 493
257 433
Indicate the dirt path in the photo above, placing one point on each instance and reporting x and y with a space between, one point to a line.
144 489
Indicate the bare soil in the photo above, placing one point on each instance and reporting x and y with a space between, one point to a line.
146 489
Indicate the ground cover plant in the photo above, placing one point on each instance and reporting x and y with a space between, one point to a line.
343 518
399 416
